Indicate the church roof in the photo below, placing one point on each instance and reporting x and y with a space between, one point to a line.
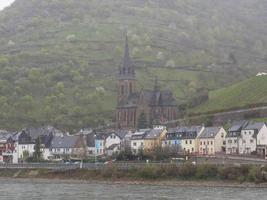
159 98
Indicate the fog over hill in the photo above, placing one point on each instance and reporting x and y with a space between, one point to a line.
5 3
59 59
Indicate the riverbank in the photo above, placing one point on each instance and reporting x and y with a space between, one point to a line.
186 175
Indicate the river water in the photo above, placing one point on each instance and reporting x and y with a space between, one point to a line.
57 190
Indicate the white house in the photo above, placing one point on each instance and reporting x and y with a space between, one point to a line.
233 137
137 141
189 142
63 146
251 135
212 140
112 139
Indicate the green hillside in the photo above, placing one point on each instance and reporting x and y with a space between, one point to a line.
59 58
248 92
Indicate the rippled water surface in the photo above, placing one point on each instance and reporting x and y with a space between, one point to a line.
54 190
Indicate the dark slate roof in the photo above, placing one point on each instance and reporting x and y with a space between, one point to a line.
237 126
5 136
64 141
254 126
153 134
90 139
139 135
113 146
210 132
190 132
121 133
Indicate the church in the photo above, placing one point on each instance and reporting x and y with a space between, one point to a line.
155 106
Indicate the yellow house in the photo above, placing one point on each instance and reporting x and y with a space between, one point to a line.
153 139
212 141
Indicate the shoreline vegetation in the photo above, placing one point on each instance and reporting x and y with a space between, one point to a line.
205 175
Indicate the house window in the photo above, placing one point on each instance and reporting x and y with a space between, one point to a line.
229 141
208 142
235 141
251 141
211 142
192 149
134 143
200 143
190 141
204 143
186 142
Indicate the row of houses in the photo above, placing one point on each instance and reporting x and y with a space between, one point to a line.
244 137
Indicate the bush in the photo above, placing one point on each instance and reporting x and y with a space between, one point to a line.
230 173
149 172
187 170
255 175
206 171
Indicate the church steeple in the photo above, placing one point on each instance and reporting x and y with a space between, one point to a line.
126 79
127 70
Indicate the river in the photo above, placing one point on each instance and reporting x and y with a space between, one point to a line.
12 189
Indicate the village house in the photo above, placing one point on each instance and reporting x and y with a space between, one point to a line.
125 136
212 141
100 144
27 140
189 138
262 142
137 140
153 139
7 146
233 137
64 147
173 140
250 134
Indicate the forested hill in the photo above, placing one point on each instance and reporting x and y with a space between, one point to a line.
58 58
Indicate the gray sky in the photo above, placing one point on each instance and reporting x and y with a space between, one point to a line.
4 3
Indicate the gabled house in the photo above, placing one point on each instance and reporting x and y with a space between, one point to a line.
27 139
112 138
7 146
63 147
173 139
233 137
189 138
137 140
153 139
262 142
212 141
250 136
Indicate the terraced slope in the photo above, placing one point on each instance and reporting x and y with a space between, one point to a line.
59 58
246 93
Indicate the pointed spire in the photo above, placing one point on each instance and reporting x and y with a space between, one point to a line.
127 68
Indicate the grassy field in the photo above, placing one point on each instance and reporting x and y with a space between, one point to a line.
245 93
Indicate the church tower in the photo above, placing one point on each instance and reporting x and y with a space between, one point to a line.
126 80
126 102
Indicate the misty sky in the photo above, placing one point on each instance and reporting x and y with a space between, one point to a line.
4 3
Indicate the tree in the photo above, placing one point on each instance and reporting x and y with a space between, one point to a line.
25 156
142 121
37 154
